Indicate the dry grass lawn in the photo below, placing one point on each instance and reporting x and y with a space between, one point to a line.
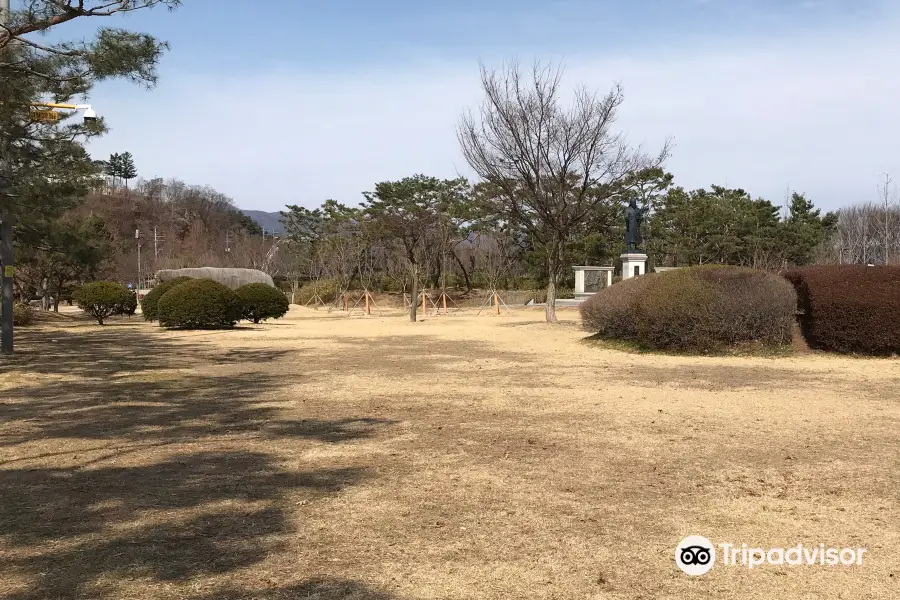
323 457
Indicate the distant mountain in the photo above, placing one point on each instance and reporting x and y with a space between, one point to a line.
270 221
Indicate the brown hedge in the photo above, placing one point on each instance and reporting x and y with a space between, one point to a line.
849 308
698 309
610 312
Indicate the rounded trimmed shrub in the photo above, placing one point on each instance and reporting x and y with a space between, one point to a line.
130 304
23 314
150 301
260 302
696 309
199 304
610 312
102 299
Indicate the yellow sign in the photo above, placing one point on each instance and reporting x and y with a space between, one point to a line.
45 115
9 271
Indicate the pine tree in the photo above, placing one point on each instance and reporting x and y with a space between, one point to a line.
64 70
113 168
127 170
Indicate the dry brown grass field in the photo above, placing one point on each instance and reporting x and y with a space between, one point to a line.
322 457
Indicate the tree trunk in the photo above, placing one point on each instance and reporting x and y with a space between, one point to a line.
553 272
45 294
464 272
550 309
414 291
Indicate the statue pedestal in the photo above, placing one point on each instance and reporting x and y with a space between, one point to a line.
634 263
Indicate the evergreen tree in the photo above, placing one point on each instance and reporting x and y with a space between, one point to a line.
62 71
804 230
113 168
127 170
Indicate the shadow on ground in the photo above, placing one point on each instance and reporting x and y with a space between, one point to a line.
313 589
160 497
70 531
119 348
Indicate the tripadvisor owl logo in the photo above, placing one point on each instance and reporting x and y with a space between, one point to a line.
695 555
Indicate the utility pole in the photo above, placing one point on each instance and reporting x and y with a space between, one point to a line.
6 231
137 236
157 238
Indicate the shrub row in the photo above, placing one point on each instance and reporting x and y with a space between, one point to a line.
186 303
697 309
849 308
151 300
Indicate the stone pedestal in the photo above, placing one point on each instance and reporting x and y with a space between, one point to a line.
633 264
589 280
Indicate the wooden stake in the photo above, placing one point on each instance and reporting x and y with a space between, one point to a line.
423 302
444 302
368 310
496 303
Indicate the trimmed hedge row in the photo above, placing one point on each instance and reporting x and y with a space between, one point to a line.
207 304
849 308
698 309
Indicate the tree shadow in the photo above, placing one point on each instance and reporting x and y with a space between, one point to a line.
94 352
142 503
168 410
108 390
312 589
204 513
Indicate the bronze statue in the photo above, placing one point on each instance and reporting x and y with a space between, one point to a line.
634 216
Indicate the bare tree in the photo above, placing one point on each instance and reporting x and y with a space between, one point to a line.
888 201
865 234
549 166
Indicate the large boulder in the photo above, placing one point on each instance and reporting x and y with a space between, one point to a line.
233 278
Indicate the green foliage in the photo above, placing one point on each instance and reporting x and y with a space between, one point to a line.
849 308
150 301
199 304
49 169
102 299
805 230
120 166
129 304
727 226
699 309
260 302
71 251
327 290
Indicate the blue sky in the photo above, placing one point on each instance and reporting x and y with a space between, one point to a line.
286 101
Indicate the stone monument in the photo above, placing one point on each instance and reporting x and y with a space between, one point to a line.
634 259
590 280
